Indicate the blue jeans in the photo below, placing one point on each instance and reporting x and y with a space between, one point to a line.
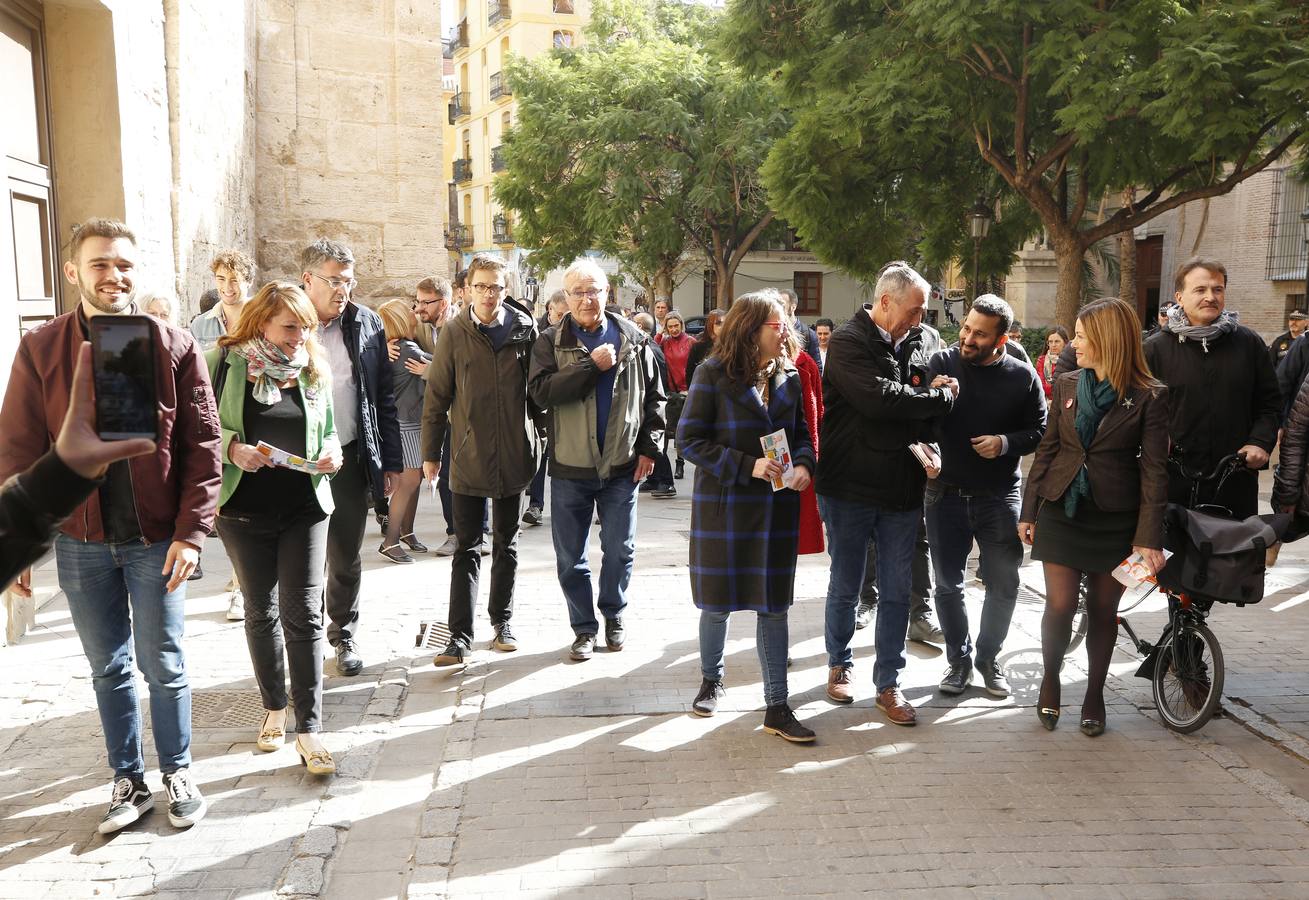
572 504
119 602
770 640
536 491
954 521
850 525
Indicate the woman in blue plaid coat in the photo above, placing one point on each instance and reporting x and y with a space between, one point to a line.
743 533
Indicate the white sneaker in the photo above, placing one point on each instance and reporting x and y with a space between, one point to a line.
449 547
236 607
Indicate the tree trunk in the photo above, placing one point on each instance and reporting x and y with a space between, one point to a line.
663 285
1127 268
1068 254
725 274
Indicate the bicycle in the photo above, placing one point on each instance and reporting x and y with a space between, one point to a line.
1185 666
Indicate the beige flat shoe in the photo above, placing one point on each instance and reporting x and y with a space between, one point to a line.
272 735
318 761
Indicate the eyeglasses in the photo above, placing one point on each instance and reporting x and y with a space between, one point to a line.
589 293
336 284
427 302
488 290
779 327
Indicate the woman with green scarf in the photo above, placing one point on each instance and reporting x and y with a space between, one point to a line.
1095 494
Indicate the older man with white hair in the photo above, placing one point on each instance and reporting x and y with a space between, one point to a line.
595 374
879 401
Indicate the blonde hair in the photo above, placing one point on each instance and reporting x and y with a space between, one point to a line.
272 299
1113 330
398 319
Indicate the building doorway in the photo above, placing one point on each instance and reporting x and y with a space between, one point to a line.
1149 277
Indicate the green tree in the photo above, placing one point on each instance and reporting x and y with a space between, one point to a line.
1061 102
641 144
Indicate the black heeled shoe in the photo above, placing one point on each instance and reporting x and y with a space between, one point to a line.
1092 727
1049 717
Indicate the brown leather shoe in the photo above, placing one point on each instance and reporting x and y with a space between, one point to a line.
838 684
892 702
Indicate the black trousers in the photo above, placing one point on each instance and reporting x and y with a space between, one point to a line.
345 538
920 590
466 567
279 562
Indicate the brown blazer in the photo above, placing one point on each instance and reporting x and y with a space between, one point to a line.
1127 461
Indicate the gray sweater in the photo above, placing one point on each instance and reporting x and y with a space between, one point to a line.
409 388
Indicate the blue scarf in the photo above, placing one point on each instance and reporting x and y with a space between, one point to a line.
1094 400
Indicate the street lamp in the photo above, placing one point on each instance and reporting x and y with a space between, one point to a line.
979 223
1304 226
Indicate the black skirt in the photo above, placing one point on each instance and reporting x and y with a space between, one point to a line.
1094 541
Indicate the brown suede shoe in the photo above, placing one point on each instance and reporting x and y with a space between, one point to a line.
892 702
838 684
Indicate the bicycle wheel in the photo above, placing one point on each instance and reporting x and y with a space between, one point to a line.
1188 677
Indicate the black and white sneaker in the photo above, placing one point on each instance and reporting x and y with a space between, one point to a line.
706 702
452 655
186 805
534 515
504 640
992 678
131 800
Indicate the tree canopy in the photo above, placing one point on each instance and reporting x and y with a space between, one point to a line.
906 110
640 143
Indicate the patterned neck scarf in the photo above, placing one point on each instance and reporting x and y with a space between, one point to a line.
270 367
764 379
1181 326
1094 400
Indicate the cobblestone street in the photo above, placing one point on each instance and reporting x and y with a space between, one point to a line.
527 775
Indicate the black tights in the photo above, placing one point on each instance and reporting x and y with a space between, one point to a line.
1061 585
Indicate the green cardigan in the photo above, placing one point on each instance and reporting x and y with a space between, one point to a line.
320 429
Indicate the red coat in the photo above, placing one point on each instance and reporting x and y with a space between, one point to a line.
811 390
676 351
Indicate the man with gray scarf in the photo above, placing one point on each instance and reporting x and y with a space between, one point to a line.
1222 390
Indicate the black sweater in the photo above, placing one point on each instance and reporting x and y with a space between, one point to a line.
1003 398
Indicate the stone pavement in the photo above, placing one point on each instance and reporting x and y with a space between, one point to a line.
526 774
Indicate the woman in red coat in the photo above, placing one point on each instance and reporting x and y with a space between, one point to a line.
811 393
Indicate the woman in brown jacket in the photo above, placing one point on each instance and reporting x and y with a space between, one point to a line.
1095 494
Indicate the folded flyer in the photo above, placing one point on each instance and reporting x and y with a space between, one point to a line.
926 455
1133 572
287 460
777 447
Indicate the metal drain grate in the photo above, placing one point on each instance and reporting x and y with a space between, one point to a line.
432 635
226 709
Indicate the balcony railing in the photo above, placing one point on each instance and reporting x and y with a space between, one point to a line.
457 237
463 170
499 86
501 232
497 11
497 160
460 107
459 40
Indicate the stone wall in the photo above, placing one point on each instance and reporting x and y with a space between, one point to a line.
349 114
211 102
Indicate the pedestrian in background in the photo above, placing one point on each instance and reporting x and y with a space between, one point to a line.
555 309
1095 493
660 483
704 344
595 375
162 306
743 533
1055 341
676 345
402 329
274 387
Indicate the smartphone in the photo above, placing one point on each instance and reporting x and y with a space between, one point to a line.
123 359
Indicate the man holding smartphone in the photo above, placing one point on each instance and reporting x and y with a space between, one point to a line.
363 407
123 556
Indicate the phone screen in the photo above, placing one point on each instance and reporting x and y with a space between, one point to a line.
123 353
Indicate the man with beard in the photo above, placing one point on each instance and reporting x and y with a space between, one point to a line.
363 408
999 418
1222 390
124 555
432 299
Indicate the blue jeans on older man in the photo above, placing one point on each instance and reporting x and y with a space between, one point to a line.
123 613
955 518
850 525
573 501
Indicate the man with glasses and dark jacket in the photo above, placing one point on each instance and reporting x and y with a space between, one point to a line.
477 394
363 407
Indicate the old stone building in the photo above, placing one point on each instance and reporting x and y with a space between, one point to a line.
256 124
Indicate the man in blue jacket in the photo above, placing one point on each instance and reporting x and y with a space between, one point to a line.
363 406
999 418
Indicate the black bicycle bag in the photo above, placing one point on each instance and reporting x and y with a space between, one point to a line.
1216 558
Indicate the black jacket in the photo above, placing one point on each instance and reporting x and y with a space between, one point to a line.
876 405
1219 400
33 504
808 343
379 428
1291 371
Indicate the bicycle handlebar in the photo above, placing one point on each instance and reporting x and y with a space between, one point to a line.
1222 468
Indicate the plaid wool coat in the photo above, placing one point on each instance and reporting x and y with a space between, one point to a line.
743 535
